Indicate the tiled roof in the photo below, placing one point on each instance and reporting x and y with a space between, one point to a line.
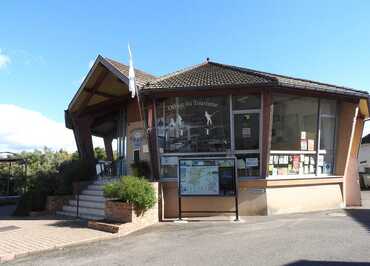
212 74
142 77
208 74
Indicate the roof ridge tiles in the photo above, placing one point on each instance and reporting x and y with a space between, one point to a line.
177 72
112 61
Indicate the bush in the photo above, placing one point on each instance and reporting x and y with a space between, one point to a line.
112 190
49 183
134 190
141 168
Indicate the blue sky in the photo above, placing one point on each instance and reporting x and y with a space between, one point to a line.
48 45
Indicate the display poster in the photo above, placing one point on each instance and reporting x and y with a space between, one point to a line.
327 168
145 148
296 162
246 132
168 160
311 144
241 164
251 162
303 134
320 160
303 145
137 137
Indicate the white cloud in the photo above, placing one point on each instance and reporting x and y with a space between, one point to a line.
24 129
4 60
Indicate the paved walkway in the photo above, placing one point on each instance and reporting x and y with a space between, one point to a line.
327 238
334 237
19 237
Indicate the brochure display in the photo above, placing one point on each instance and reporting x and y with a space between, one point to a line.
207 177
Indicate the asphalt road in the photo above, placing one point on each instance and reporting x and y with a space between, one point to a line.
340 237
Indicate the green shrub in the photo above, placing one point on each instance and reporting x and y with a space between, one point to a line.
131 189
112 190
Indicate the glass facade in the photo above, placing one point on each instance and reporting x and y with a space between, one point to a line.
193 124
303 132
294 123
295 136
328 111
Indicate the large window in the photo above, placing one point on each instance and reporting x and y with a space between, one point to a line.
193 125
328 110
294 123
298 145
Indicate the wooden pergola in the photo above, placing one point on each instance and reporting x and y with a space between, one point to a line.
96 109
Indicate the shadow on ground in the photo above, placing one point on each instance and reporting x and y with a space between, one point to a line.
361 216
70 223
325 263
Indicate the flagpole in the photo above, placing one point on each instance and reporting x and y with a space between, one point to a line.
135 89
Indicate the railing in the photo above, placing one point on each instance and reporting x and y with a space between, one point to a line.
105 170
11 186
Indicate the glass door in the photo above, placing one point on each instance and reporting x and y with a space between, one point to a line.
246 115
246 131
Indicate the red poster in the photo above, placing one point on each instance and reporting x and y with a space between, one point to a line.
296 162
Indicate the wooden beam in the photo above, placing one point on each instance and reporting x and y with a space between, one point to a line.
100 93
108 148
351 187
104 107
97 84
152 141
83 137
266 131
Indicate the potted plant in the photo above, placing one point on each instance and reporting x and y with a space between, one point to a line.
128 198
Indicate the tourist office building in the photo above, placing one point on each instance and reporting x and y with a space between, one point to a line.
285 144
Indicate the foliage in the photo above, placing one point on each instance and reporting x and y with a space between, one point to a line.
135 190
49 173
100 154
112 190
141 168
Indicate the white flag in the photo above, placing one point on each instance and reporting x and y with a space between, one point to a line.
131 75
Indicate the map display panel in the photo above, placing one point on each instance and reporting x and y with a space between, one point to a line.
201 176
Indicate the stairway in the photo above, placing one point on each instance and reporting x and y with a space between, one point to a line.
91 202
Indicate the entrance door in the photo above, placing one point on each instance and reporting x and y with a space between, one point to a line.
246 144
246 131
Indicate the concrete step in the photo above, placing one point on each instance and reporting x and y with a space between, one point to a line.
104 181
95 187
83 216
92 198
88 204
92 192
84 210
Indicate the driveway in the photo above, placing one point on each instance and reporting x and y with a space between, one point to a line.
338 237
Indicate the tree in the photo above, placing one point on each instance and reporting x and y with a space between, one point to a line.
100 153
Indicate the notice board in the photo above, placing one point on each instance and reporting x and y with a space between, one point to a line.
207 177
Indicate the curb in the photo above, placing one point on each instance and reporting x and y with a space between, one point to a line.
11 256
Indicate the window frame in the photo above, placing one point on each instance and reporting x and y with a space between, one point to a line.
232 133
318 151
